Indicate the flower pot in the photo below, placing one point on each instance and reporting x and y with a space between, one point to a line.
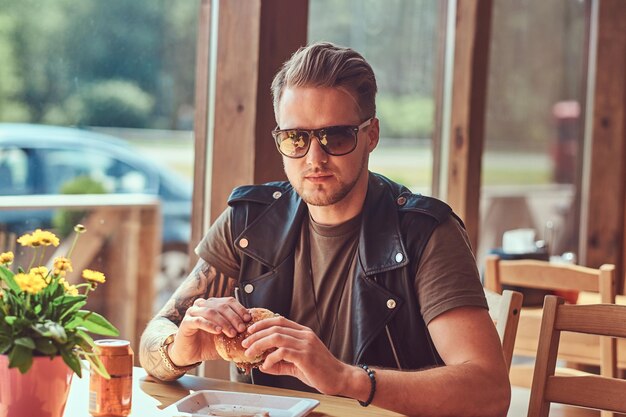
41 392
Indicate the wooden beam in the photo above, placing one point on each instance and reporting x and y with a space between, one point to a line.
471 56
442 24
200 130
254 38
606 234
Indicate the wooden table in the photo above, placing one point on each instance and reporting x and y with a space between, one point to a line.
151 396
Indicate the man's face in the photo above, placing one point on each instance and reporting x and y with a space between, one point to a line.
319 178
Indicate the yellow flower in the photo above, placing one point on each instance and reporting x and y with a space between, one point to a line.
93 276
6 258
40 271
69 288
30 283
45 238
27 240
61 266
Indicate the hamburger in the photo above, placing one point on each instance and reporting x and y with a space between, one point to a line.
230 349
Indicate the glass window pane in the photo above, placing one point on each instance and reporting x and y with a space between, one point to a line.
399 40
532 158
96 97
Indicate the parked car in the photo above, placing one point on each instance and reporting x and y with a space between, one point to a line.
39 159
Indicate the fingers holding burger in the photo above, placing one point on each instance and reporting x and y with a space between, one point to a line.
230 348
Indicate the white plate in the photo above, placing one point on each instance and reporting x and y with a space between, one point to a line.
198 403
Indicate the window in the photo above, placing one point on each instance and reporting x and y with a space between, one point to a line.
14 172
102 92
533 143
399 39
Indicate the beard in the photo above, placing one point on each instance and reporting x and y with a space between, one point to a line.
320 195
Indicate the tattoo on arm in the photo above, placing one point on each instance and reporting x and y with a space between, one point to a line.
192 288
204 281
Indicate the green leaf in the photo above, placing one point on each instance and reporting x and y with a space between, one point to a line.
10 320
46 346
98 366
97 324
85 337
73 309
65 301
5 344
72 361
7 276
27 342
52 330
21 358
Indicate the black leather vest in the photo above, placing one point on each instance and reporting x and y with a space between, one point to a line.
387 329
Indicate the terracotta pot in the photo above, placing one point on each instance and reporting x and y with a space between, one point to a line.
41 392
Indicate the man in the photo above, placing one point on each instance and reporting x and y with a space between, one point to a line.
361 271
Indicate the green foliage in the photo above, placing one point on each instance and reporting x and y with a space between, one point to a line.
408 116
64 220
11 108
55 52
115 103
46 319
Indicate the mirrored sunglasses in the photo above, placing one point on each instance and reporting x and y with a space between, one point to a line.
334 140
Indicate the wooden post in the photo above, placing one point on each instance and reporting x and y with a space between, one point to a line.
605 241
254 38
200 130
150 239
471 56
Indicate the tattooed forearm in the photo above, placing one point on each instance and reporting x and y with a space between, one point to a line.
149 356
204 281
195 286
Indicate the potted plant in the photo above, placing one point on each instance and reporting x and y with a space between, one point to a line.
44 330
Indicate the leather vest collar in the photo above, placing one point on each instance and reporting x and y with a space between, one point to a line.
380 244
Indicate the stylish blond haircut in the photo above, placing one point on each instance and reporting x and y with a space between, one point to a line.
323 64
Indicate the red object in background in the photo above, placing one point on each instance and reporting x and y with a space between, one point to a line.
565 149
569 296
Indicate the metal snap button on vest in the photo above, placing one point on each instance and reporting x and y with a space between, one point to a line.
277 195
391 304
399 257
401 201
243 243
248 288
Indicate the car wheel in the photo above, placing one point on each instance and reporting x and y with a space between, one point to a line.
174 267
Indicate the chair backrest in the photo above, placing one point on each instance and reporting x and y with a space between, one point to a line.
597 392
550 276
504 310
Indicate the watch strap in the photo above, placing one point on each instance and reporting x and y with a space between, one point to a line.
167 361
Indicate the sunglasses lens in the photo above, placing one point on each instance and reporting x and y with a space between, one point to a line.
338 140
292 143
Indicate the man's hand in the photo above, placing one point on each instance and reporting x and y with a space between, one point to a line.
299 353
204 319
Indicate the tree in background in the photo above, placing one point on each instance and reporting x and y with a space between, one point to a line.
60 51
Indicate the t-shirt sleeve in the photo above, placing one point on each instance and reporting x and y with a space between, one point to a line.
447 276
217 248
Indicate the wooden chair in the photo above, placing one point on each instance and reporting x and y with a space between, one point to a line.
591 391
504 310
579 349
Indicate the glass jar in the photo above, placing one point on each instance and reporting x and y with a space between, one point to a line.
112 397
